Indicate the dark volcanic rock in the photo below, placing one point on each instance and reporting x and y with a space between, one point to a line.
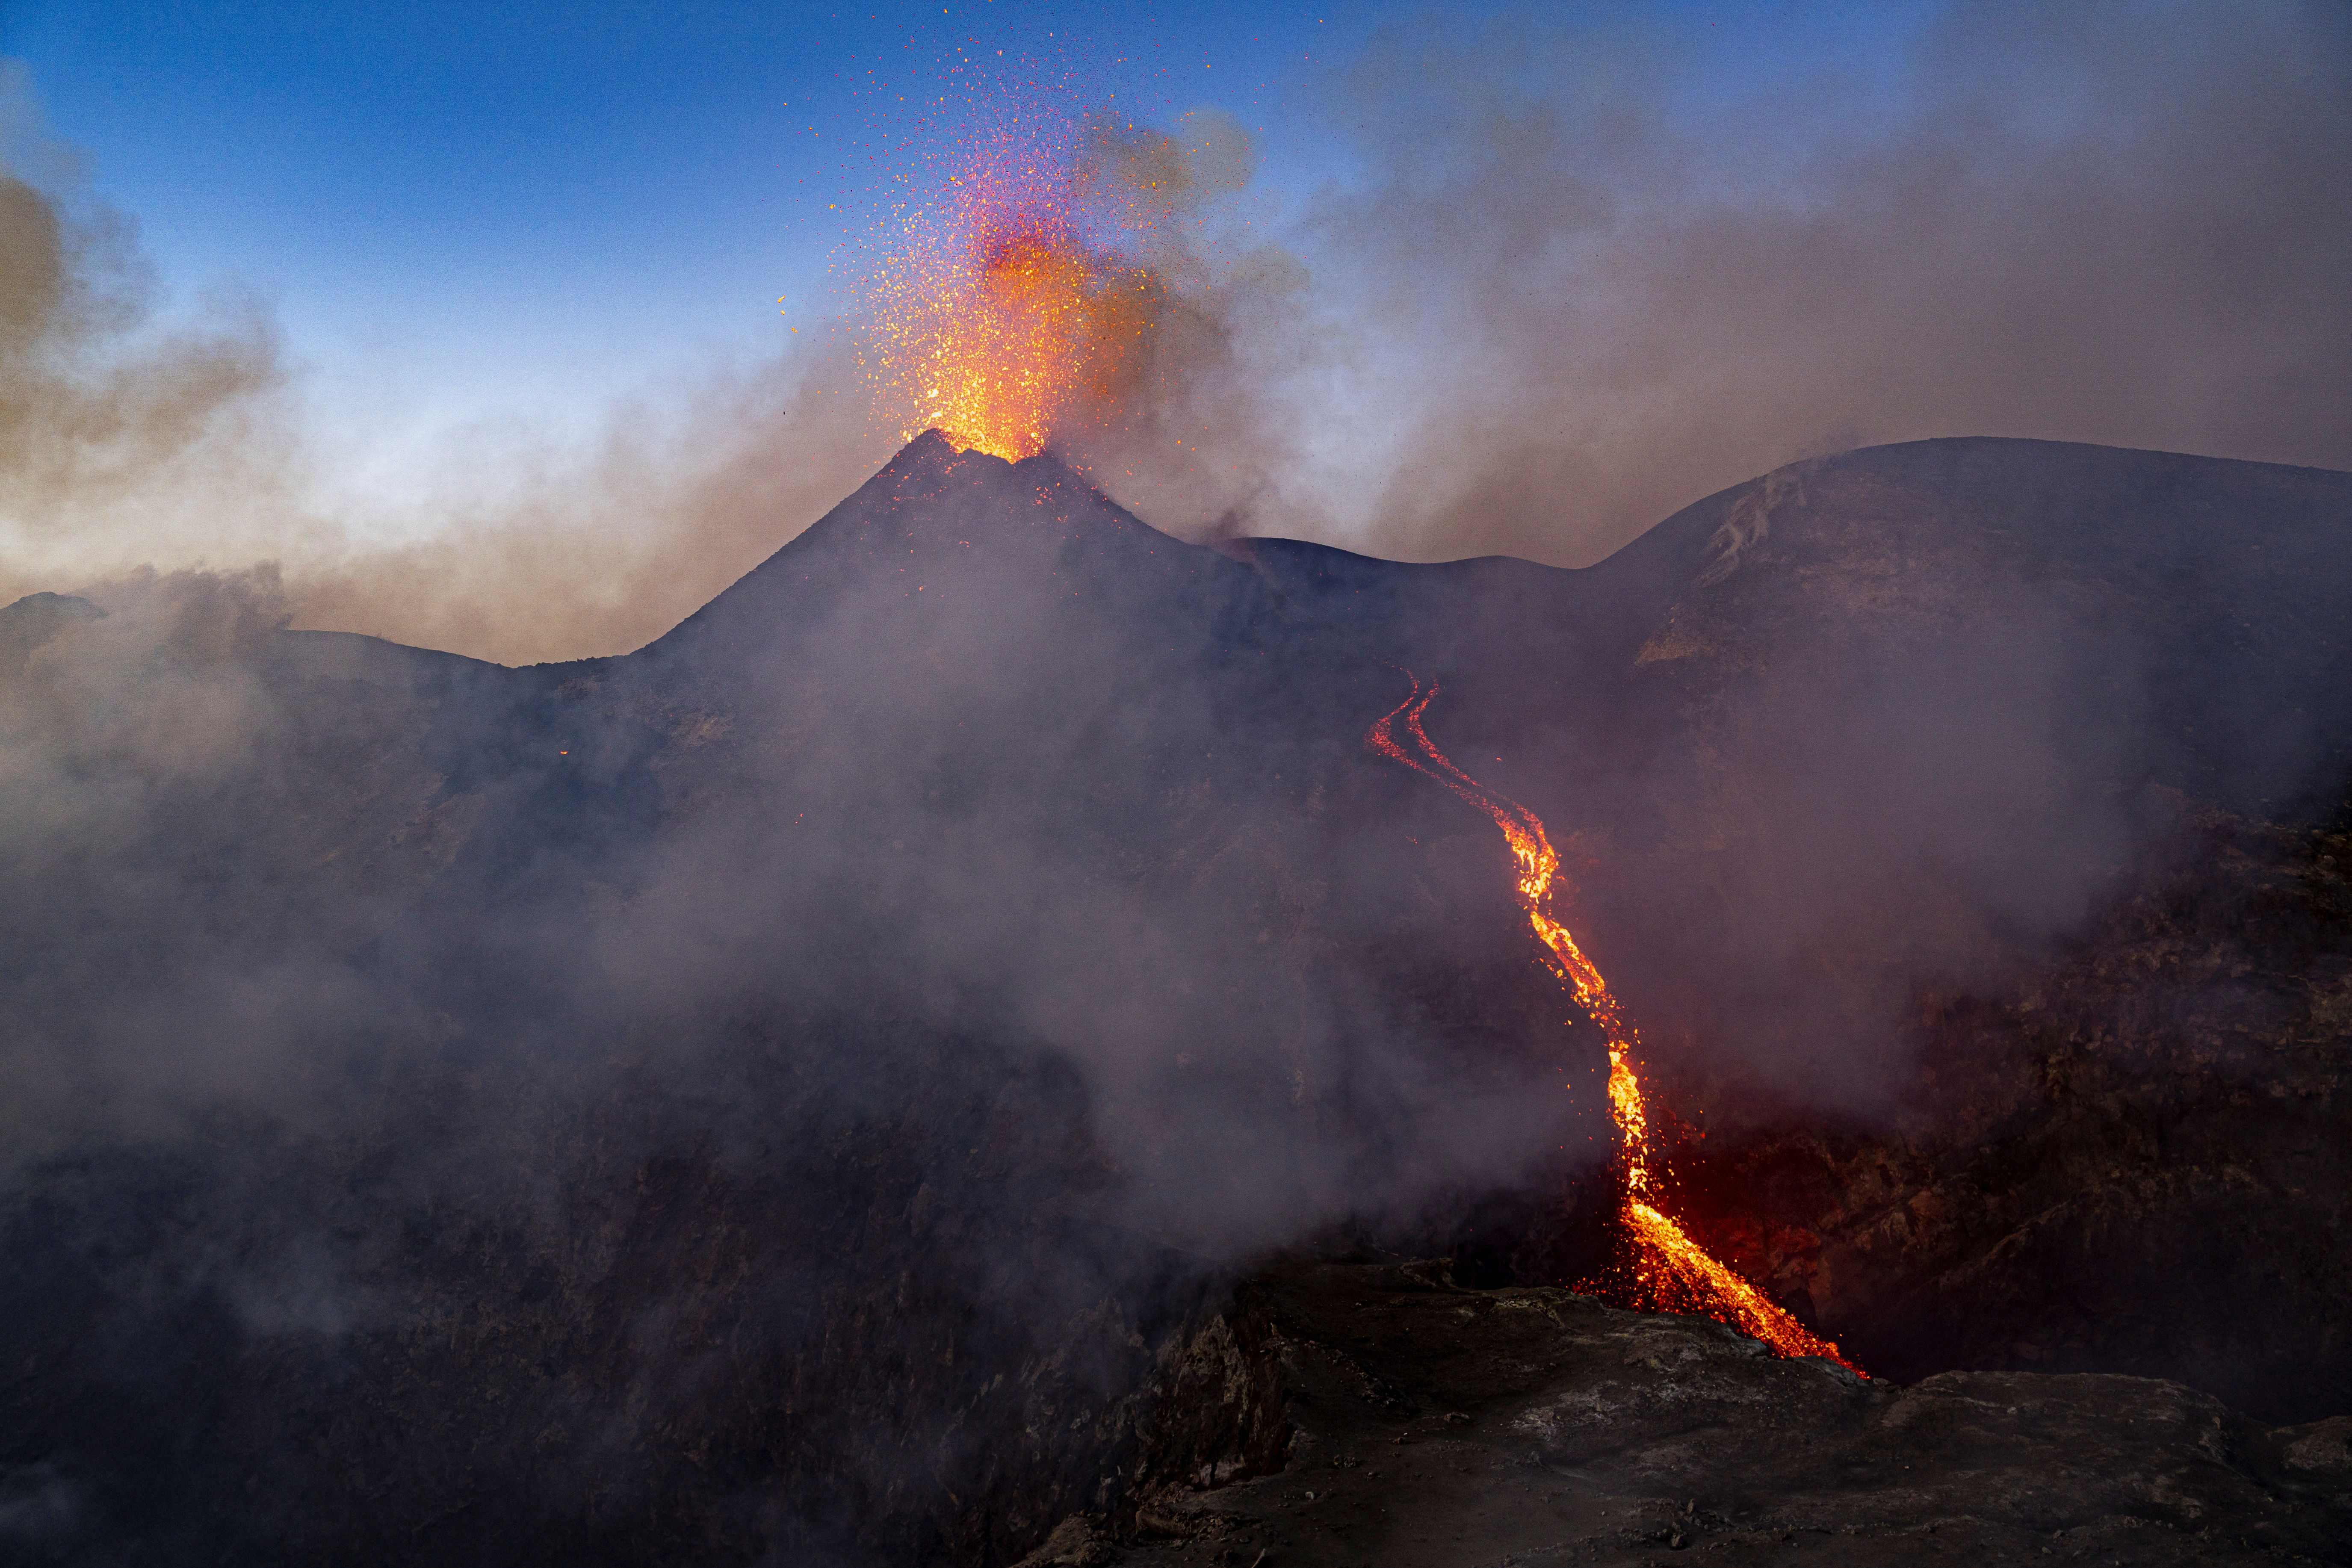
768 1097
2140 1158
787 1094
1426 1425
34 620
1978 892
1924 711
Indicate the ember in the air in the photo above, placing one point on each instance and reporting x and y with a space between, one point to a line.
997 319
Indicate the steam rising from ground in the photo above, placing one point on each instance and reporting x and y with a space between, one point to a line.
1555 302
1572 303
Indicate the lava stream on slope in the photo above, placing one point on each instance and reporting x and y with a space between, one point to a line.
1671 1272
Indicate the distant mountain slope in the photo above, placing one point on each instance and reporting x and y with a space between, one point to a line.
1916 716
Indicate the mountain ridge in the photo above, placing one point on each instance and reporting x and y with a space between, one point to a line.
787 1093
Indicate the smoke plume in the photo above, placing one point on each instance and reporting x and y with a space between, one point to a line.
918 972
1574 282
1575 276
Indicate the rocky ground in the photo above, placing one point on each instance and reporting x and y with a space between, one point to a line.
2113 1158
1373 1413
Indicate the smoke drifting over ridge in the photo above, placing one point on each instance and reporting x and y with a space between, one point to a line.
132 437
1471 226
1560 296
117 440
1599 310
966 947
1566 287
892 985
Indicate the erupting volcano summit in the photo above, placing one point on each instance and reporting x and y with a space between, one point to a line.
998 321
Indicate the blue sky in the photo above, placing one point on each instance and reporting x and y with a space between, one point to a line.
532 204
456 210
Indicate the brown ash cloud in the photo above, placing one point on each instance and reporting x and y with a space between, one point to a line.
1567 288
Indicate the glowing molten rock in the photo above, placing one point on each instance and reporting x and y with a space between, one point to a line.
1001 323
1674 1274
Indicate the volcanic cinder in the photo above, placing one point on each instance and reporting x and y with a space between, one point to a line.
803 1091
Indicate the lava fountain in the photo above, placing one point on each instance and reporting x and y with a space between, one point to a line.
1672 1272
997 319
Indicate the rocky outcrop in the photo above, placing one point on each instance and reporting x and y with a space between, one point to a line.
1433 1426
2138 1159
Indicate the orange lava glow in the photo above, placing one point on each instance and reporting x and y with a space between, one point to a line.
997 320
1673 1273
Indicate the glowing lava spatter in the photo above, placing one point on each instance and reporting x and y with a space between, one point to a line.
997 319
1675 1273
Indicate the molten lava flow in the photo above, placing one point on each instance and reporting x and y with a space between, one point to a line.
1675 1273
997 320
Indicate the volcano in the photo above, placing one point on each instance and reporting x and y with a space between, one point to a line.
826 1086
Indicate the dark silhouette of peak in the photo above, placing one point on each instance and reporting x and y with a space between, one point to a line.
34 620
950 525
